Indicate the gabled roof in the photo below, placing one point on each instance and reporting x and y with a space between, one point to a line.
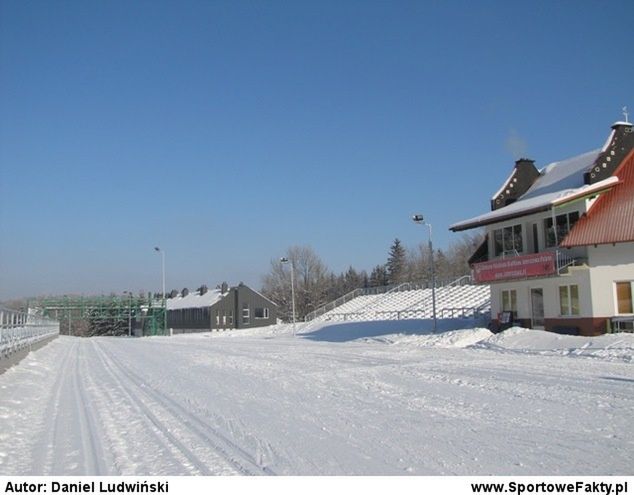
558 182
194 300
611 218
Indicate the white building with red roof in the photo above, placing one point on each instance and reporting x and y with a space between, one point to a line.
559 249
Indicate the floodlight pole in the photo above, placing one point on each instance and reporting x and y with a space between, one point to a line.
419 219
159 250
283 261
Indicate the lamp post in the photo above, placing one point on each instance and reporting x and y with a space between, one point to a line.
421 221
159 250
284 261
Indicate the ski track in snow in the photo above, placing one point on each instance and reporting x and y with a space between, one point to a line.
276 404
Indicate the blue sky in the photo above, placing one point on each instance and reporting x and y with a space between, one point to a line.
227 131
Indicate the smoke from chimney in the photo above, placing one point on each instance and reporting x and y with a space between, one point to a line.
516 145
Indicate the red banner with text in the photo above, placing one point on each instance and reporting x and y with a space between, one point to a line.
530 265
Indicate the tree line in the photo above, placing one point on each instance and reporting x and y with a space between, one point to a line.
315 284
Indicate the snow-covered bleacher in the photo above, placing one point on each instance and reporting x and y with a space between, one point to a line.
408 301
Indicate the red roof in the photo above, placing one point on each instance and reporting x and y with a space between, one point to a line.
611 218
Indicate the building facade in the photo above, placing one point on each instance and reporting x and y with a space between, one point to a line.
226 308
559 245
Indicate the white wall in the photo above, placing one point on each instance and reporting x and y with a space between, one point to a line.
597 291
579 276
610 264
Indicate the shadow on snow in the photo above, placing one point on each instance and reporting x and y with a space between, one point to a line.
352 330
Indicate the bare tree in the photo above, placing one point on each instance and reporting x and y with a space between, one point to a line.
315 285
312 282
459 253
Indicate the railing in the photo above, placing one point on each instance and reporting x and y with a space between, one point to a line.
386 290
19 330
448 312
464 280
412 311
363 291
332 305
370 291
621 324
361 312
564 260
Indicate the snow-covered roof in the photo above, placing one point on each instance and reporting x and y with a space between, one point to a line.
194 300
562 176
559 181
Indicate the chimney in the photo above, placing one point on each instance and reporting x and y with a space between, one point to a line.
524 162
523 176
618 146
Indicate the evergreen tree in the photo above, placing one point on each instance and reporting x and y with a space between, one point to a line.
396 263
442 267
366 279
352 280
378 277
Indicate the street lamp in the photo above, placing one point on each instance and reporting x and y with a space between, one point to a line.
284 261
159 250
421 221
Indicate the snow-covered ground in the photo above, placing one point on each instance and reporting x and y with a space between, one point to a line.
340 399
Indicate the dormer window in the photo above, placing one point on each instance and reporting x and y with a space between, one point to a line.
563 224
508 241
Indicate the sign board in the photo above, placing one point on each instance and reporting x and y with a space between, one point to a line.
506 317
530 265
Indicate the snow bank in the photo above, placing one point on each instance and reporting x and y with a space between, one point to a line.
417 334
452 338
611 347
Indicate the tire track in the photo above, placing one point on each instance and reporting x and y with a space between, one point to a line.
93 458
158 428
111 401
43 454
230 451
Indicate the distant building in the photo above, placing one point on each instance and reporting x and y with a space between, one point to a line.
219 309
559 249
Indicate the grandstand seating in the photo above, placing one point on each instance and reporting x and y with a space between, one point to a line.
405 302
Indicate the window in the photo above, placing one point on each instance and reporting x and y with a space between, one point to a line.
508 240
261 313
230 317
569 300
509 301
624 297
563 223
246 314
217 318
